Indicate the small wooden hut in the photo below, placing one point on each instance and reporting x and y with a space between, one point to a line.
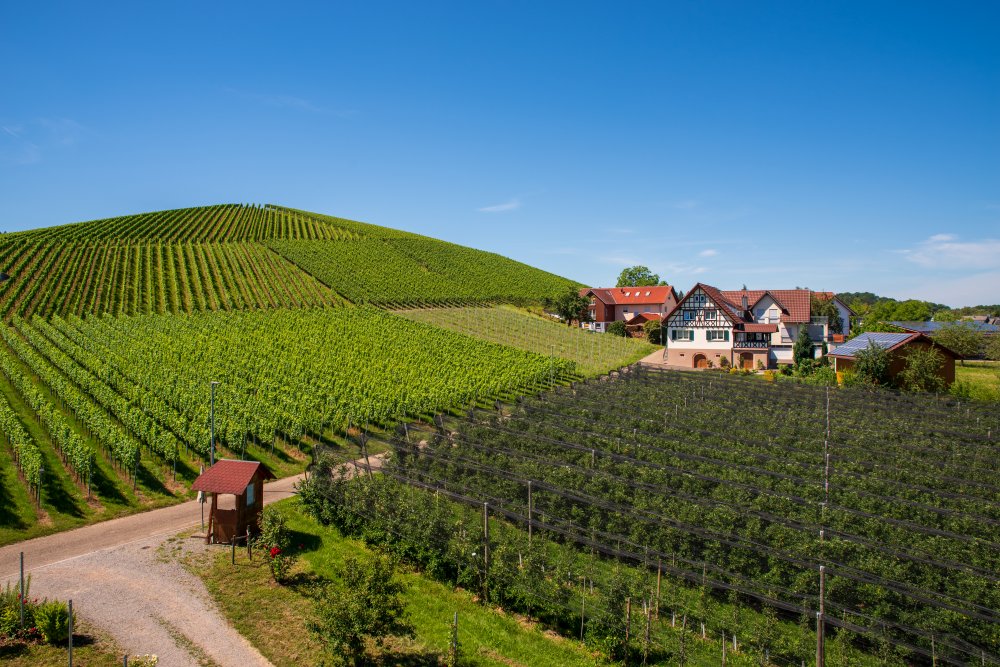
245 481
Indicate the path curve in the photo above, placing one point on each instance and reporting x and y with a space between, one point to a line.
119 581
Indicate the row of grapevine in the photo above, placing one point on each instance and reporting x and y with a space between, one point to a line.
139 425
73 449
26 454
134 277
92 355
410 272
295 371
593 354
120 446
226 222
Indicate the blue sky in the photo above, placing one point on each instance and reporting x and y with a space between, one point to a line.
840 146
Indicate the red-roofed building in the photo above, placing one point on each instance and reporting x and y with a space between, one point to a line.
245 481
748 328
622 304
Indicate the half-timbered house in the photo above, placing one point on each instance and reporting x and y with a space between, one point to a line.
747 328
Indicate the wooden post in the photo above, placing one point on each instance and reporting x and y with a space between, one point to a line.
486 551
659 576
723 648
628 619
583 608
21 597
531 509
249 552
71 633
820 629
645 645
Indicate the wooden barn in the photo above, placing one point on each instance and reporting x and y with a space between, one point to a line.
244 480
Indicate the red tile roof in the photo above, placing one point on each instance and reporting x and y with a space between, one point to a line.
794 303
228 476
657 294
646 316
760 328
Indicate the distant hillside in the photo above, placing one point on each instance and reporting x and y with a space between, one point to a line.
875 307
237 257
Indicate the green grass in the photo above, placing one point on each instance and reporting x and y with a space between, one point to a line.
91 648
486 636
983 379
594 354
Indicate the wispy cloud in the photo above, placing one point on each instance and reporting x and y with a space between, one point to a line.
708 252
281 101
27 143
511 205
945 251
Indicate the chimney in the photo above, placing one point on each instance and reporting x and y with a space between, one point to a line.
745 303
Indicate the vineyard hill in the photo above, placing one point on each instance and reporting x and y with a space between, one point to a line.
245 257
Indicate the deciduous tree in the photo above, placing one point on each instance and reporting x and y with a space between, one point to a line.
367 605
635 276
923 370
960 338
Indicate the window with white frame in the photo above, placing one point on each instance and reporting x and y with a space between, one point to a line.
711 314
682 334
715 335
688 315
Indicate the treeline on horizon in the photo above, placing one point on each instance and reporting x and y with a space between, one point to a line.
867 304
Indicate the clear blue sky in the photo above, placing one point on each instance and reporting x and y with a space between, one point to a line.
840 146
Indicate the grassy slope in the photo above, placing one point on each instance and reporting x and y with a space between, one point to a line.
983 377
594 354
487 637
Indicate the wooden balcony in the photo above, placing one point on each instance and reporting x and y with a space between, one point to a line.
740 344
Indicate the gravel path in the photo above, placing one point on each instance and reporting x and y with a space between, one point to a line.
149 604
119 582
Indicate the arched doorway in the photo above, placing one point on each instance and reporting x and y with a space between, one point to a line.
746 360
700 361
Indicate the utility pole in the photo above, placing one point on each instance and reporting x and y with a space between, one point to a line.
212 434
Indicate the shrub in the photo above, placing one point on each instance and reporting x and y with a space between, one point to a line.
52 620
724 362
617 329
823 375
871 365
368 604
275 542
923 370
653 330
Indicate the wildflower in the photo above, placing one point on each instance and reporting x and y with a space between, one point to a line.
275 551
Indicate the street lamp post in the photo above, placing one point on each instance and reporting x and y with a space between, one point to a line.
212 435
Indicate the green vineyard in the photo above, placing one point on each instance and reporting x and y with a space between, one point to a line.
238 257
593 354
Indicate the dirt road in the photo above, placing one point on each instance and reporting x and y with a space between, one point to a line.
119 582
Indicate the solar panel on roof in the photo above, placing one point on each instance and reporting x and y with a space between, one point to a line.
859 343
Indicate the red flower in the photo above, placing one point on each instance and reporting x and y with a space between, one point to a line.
275 551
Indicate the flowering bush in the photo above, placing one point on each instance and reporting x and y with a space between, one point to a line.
275 540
